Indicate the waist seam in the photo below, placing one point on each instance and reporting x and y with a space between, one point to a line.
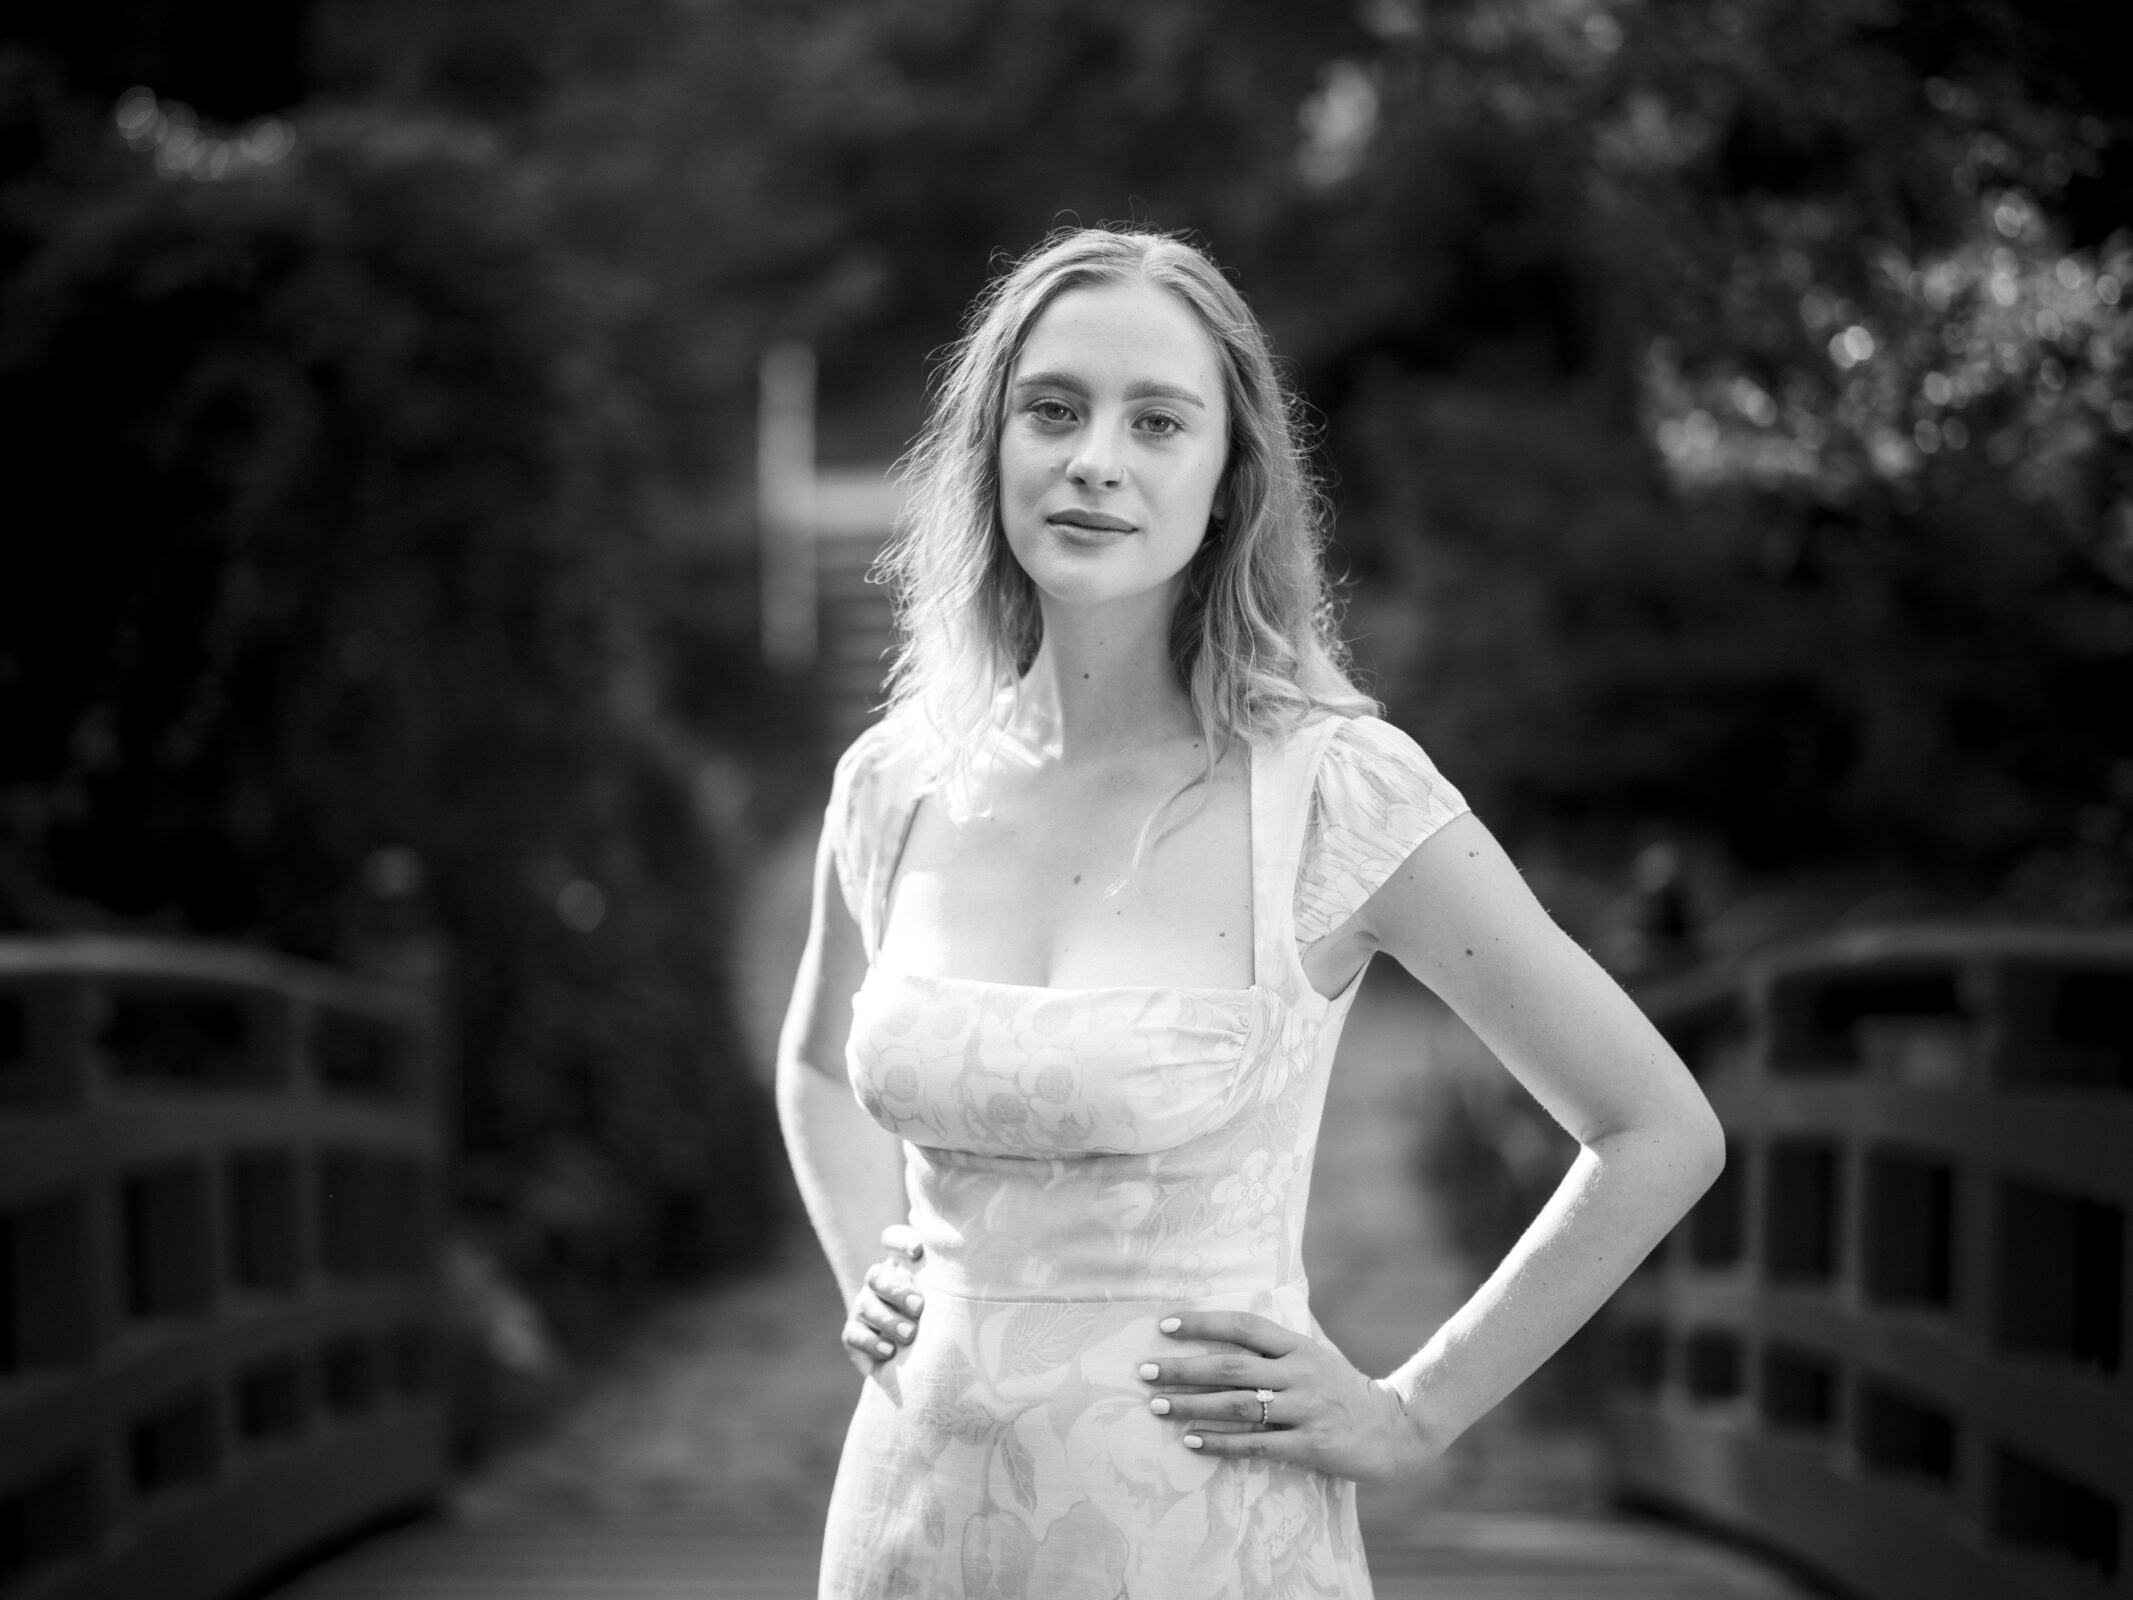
931 1288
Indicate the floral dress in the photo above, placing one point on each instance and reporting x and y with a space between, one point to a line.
1081 1163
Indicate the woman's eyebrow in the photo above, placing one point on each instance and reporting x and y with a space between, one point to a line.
1144 389
1052 380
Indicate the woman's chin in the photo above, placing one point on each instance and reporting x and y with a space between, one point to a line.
1082 576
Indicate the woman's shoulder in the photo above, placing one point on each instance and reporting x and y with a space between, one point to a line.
1371 763
876 775
873 752
1346 748
1365 738
1375 798
901 744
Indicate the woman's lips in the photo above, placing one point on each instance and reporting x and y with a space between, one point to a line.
1089 521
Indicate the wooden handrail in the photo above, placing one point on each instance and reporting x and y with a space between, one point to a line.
221 1175
1891 1341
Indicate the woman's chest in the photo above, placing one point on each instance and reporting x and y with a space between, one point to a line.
1002 1069
1061 890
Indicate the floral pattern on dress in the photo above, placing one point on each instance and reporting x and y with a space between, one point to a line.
1378 797
1080 1164
1008 1070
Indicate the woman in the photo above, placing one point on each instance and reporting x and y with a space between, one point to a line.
1090 907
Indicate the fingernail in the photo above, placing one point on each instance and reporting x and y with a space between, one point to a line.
885 1348
905 1329
1170 1324
1192 1441
914 1301
1159 1406
1150 1370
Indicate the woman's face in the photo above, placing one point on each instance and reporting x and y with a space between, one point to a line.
1114 446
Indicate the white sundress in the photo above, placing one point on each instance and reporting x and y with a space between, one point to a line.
1081 1163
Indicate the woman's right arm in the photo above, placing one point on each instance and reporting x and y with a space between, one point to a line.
850 1170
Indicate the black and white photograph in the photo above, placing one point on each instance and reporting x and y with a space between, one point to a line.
1017 800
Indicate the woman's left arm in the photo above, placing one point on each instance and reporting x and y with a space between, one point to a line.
1458 915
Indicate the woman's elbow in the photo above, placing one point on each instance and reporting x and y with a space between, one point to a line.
1701 1139
790 1084
799 1055
803 1082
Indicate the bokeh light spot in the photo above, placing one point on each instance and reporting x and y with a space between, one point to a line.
580 905
1851 347
393 872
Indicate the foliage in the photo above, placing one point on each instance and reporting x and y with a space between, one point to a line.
346 626
1821 555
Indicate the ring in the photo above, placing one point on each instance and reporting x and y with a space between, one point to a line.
1265 1397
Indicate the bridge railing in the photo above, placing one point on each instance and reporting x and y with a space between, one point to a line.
220 1178
1891 1340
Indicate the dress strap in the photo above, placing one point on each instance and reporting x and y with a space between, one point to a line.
1283 777
887 857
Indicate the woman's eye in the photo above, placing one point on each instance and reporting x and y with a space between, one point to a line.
1051 411
1161 422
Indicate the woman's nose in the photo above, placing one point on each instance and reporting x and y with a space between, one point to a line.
1097 459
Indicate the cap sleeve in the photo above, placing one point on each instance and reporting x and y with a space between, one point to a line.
1376 798
864 822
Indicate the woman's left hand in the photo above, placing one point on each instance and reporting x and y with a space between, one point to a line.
1322 1412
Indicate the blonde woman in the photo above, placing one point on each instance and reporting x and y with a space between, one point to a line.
1090 908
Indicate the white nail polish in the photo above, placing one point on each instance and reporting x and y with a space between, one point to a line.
1159 1406
1150 1370
905 1329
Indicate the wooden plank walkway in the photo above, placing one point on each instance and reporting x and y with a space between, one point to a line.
1469 1556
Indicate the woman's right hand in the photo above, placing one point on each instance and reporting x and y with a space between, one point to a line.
885 1312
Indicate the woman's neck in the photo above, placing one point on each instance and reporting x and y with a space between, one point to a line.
1103 683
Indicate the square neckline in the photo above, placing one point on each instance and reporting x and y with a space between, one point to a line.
1258 986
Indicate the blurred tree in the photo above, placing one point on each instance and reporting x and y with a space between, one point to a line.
1793 507
346 620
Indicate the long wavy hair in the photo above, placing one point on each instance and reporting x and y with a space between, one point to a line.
1252 639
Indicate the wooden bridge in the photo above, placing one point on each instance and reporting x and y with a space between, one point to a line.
1890 1346
1892 1339
219 1185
